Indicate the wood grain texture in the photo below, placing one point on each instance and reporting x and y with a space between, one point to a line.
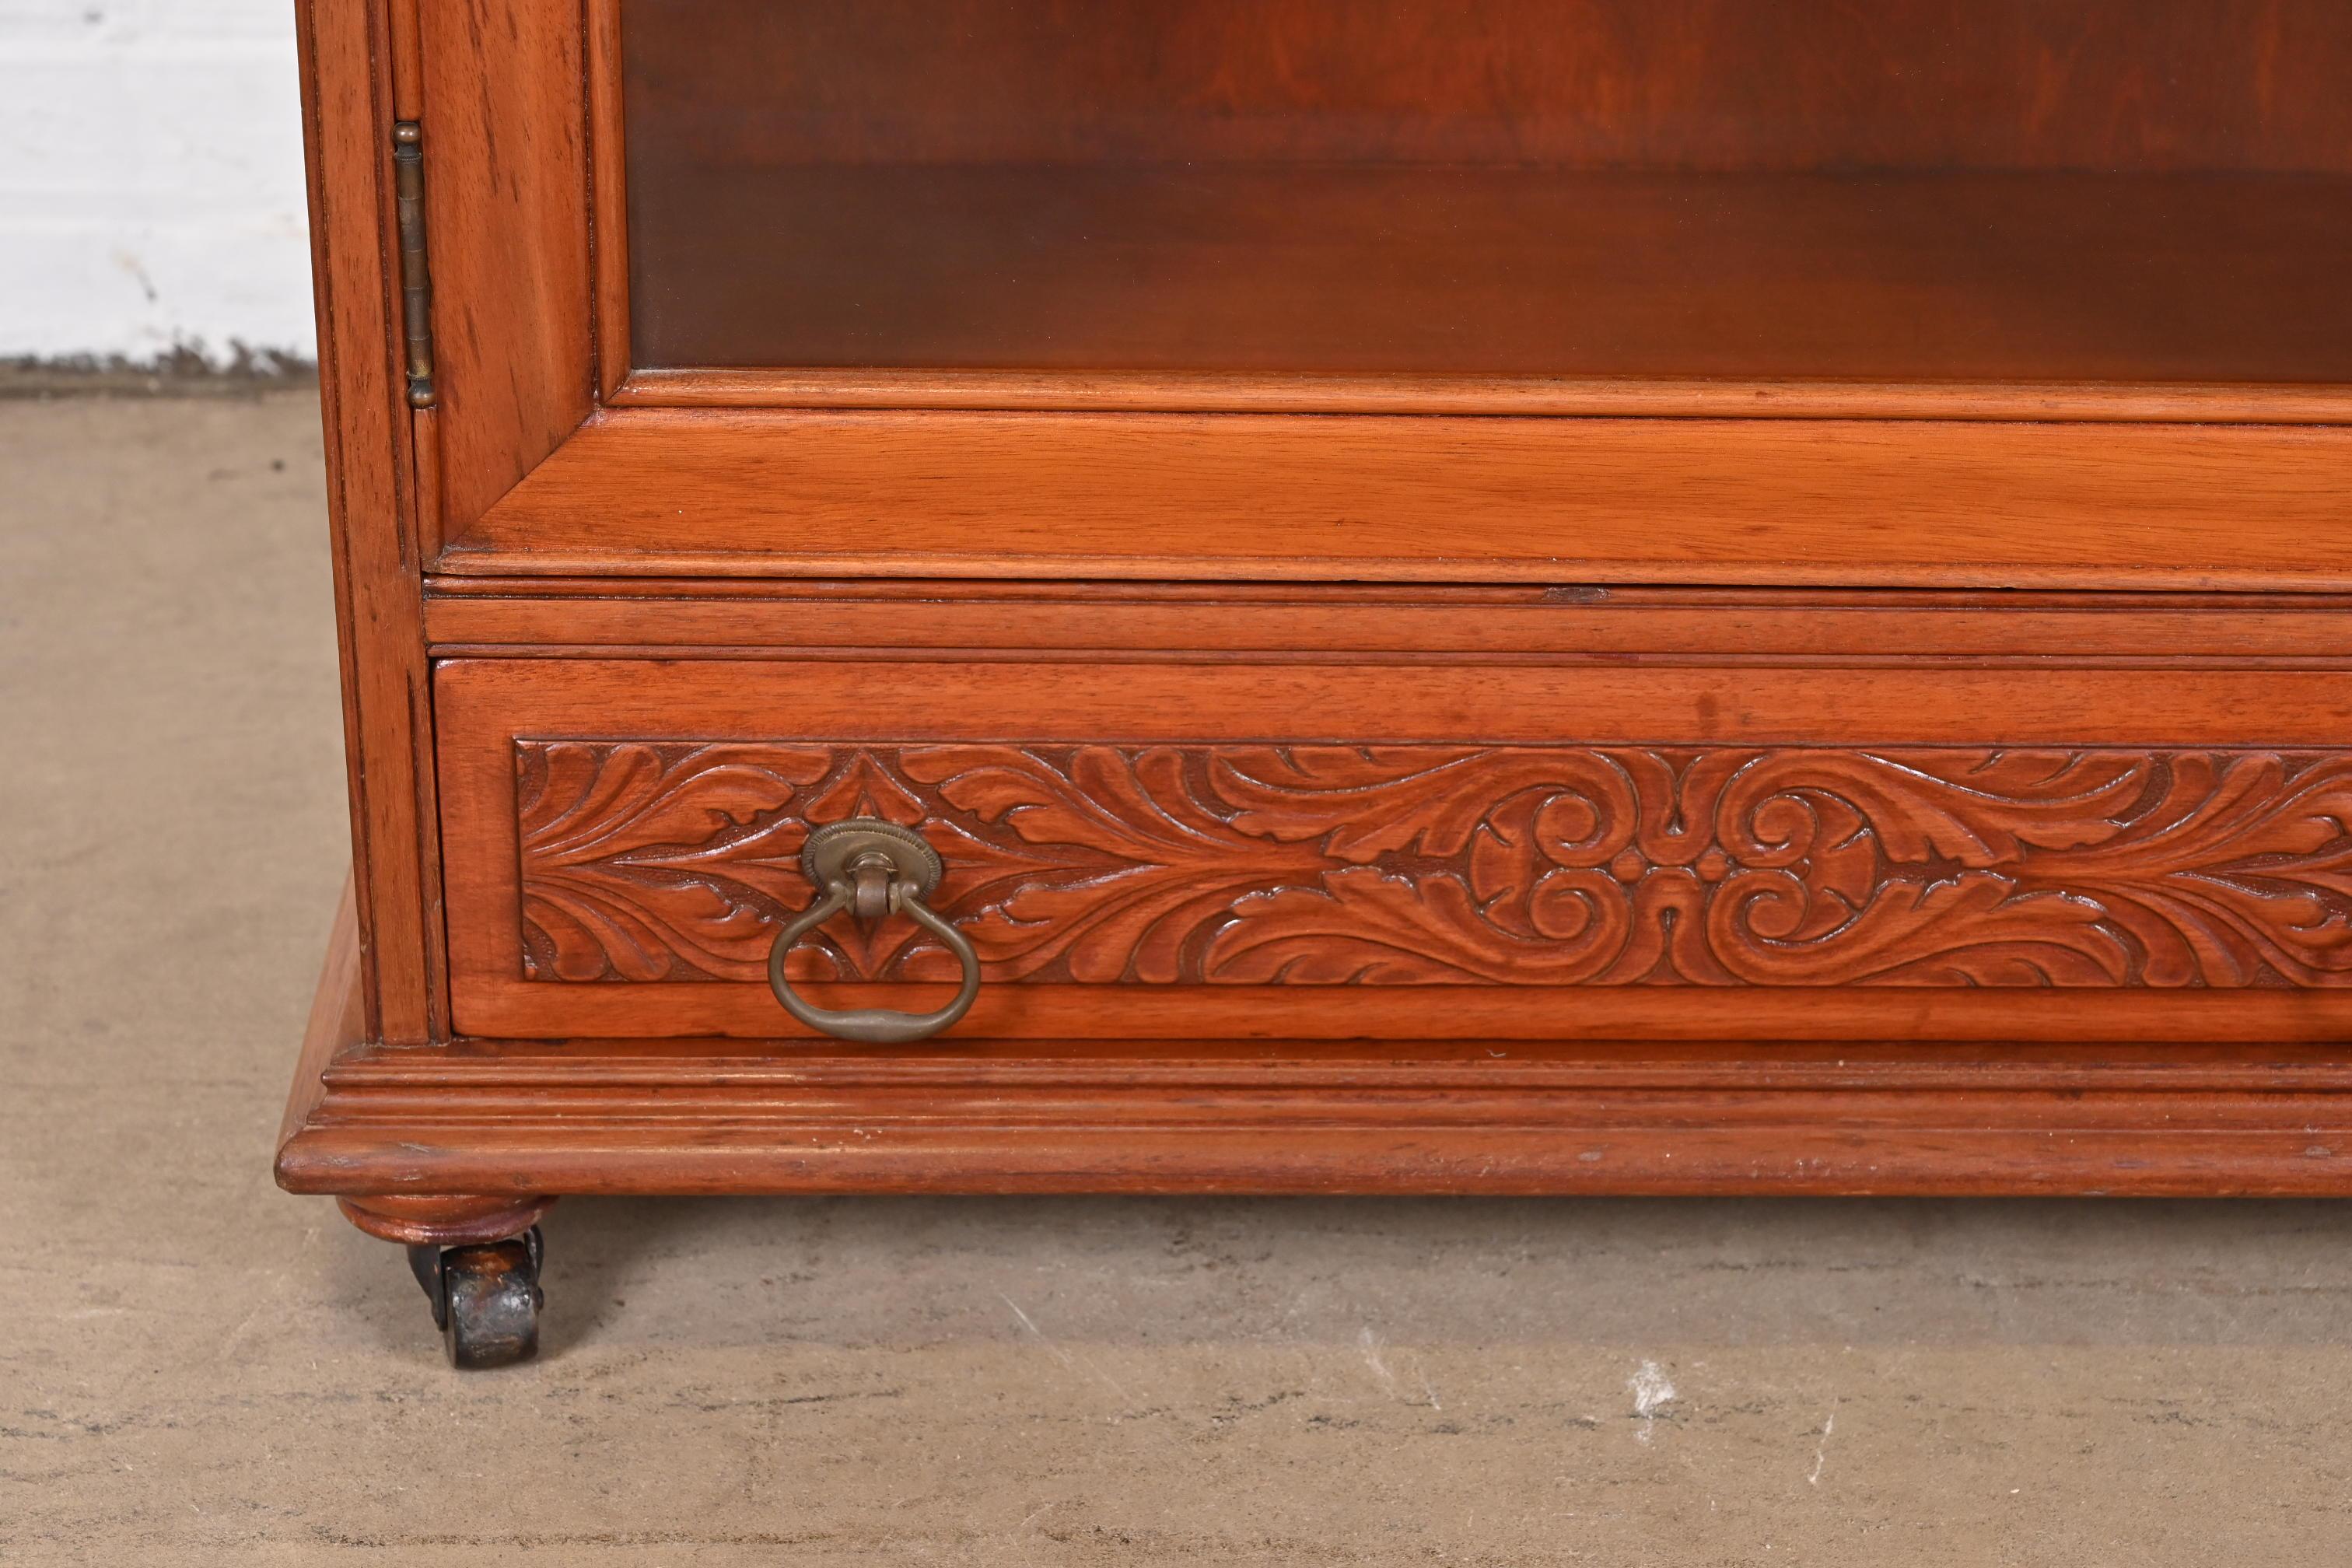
1647 396
506 204
433 1219
1485 1116
1696 84
661 491
1481 270
373 513
560 617
424 435
608 186
407 73
339 1022
1843 828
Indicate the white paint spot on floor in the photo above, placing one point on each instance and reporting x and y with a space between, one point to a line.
1652 1392
1370 1345
1076 1363
1057 1351
1821 1450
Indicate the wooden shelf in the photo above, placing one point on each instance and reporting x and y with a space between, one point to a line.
1488 271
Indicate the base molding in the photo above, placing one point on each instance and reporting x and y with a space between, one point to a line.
461 1143
525 1117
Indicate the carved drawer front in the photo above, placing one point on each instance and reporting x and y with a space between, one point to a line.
1283 850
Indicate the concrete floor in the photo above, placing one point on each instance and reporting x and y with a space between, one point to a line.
196 1368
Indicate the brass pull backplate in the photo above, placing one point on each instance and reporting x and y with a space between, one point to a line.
873 870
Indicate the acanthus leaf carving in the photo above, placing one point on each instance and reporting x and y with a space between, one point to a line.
1397 864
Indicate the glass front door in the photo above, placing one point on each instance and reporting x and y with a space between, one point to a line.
2002 189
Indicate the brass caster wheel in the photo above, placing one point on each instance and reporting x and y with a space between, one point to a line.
485 1299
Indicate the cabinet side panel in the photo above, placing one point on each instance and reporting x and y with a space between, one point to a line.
506 192
396 854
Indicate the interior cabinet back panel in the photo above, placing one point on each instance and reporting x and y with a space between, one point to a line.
2147 85
2092 189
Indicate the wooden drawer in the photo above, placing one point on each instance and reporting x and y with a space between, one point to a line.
1229 847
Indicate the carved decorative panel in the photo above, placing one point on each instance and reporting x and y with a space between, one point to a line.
1233 864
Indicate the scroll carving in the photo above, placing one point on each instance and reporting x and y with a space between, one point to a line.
1266 865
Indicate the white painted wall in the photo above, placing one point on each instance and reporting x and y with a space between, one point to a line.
151 180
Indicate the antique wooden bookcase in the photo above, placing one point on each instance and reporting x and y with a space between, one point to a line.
1398 595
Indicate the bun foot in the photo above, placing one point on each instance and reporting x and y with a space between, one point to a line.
485 1299
477 1257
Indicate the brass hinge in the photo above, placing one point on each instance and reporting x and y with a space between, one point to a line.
415 276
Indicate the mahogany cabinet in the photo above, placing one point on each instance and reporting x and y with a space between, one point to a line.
1330 596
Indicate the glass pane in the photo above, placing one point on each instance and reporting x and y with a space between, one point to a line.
2004 189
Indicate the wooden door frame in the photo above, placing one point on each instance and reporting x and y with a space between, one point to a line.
551 455
380 540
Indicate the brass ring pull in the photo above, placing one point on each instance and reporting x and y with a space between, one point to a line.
872 869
